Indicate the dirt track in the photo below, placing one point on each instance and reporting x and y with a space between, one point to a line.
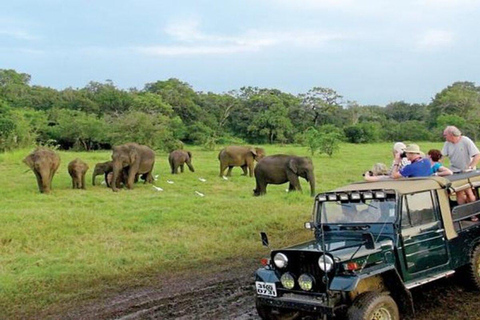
228 294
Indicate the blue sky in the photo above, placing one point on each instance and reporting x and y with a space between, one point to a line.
371 51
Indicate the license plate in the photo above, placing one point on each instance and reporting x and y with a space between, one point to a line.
266 288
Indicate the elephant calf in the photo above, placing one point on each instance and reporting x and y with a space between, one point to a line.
280 168
238 156
102 168
178 159
77 170
44 163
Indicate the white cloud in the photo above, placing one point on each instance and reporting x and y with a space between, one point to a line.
189 40
433 39
17 34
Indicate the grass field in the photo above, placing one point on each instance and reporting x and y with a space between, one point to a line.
72 245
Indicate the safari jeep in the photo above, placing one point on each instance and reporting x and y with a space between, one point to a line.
373 242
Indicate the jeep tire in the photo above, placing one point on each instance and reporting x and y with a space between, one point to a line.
373 306
472 270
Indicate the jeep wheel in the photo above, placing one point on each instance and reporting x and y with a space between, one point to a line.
472 271
373 306
268 313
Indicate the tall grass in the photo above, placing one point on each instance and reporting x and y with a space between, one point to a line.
63 248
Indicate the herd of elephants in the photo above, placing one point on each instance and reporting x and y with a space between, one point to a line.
132 161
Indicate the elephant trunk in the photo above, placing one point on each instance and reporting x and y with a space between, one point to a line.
44 184
117 171
311 179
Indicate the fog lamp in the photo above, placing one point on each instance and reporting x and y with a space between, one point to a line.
287 280
325 263
280 260
305 282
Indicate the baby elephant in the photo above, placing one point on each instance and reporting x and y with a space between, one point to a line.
44 163
77 170
178 158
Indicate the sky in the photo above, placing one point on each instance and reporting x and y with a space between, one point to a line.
372 52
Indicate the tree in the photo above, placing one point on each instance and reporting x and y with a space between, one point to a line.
108 97
322 103
330 137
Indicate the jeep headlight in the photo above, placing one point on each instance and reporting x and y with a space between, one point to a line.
287 280
325 262
305 282
280 260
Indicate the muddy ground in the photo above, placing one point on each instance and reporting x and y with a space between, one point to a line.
227 293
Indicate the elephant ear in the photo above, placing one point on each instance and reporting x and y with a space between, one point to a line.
132 154
253 151
29 161
293 165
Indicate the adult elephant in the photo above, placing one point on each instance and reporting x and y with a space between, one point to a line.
239 156
44 163
138 158
77 170
178 159
281 168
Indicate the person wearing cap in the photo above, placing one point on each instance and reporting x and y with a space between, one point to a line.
461 151
399 147
418 167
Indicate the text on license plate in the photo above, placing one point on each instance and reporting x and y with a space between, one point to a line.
266 288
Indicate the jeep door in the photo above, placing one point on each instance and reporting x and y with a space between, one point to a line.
422 245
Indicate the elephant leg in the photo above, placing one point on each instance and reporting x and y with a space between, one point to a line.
39 181
250 168
106 180
291 187
261 188
181 168
294 182
229 172
222 169
244 168
131 179
83 182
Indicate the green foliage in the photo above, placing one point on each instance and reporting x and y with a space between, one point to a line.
312 139
140 127
365 132
76 129
408 131
330 138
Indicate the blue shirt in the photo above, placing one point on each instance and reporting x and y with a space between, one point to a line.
436 166
418 168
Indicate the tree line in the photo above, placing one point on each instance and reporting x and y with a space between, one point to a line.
165 114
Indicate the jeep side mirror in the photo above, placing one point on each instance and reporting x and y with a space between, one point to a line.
264 239
368 240
308 225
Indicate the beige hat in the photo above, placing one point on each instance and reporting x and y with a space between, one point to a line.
413 148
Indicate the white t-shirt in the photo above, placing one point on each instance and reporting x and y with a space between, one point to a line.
460 153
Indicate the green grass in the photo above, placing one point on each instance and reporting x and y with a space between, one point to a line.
72 245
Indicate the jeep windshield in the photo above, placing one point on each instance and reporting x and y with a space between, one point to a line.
359 210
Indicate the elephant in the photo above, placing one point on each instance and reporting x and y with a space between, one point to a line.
138 158
44 163
178 158
102 168
281 168
239 156
77 170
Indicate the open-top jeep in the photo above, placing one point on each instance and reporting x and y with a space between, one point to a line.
373 242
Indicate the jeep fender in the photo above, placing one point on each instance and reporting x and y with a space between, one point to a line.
266 275
379 279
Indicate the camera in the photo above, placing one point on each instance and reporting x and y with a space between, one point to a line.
403 154
370 173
